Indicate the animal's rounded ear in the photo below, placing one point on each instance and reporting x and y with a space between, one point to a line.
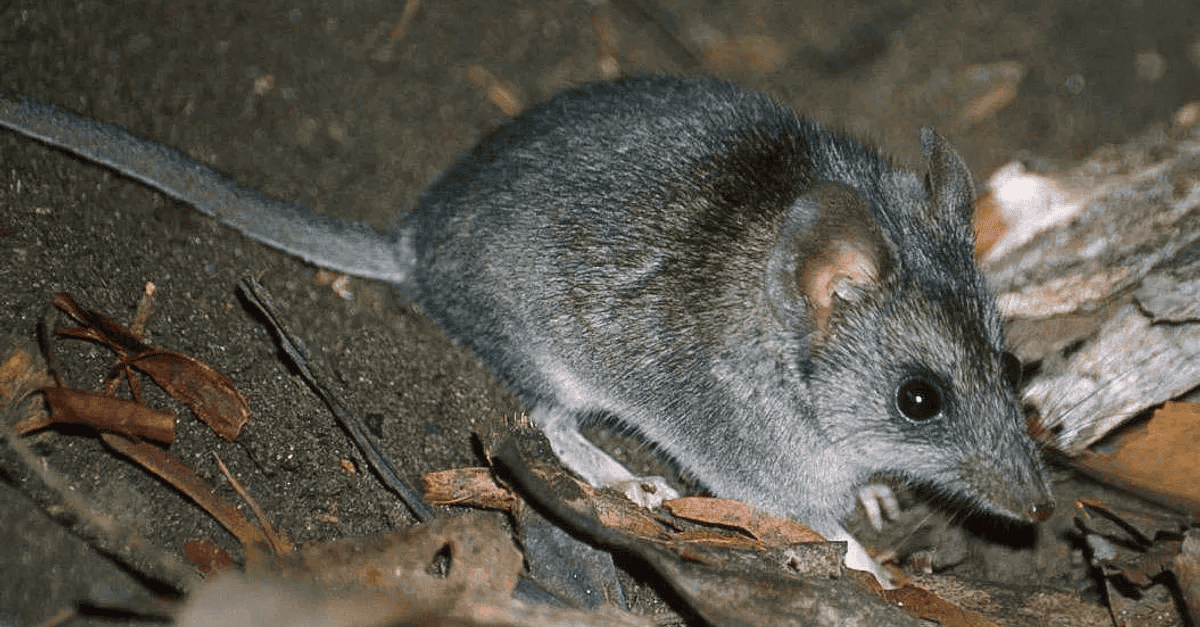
831 254
951 188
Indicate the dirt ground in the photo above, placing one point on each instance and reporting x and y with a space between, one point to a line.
351 109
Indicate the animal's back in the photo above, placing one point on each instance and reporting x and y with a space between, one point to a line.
590 251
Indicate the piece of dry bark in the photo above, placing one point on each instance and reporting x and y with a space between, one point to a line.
1144 561
1106 299
1016 605
106 413
1187 573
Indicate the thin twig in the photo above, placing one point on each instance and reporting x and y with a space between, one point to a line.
368 445
279 544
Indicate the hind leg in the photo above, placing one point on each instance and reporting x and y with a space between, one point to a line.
593 464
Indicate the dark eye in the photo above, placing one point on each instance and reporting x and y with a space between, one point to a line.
1012 369
918 399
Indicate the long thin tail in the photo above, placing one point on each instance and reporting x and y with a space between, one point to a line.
350 247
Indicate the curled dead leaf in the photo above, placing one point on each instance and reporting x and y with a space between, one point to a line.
188 481
208 393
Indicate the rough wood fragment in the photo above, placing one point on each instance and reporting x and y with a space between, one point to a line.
1108 301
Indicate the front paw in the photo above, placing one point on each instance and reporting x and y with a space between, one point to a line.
647 492
877 500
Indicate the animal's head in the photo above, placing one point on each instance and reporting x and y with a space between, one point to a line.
907 368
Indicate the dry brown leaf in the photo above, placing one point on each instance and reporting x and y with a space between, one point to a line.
208 393
774 530
930 606
98 327
1158 458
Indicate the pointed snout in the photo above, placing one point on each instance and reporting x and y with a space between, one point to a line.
1009 489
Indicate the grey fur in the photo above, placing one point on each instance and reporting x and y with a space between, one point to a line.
644 251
